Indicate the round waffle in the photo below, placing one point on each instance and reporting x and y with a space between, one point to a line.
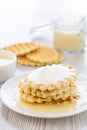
22 48
45 55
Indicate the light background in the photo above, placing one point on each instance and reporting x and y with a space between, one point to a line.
17 16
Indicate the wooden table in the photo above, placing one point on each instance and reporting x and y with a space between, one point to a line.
10 120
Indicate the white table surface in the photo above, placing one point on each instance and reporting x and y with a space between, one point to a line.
10 120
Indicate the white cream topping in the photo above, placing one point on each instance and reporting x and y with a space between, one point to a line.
50 74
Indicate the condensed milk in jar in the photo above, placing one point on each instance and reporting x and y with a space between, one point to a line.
69 34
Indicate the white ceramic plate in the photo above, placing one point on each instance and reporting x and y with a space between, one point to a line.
9 96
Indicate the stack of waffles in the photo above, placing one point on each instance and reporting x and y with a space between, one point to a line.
50 84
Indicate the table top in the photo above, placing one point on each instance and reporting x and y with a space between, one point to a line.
10 120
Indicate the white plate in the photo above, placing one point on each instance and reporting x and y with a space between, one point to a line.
9 92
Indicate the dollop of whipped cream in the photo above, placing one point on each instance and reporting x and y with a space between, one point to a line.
50 74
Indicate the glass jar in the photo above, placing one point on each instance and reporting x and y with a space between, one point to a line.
69 33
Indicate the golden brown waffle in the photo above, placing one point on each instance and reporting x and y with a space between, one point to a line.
25 61
45 55
22 48
33 99
55 93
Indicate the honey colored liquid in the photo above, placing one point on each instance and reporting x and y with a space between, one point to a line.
69 41
62 107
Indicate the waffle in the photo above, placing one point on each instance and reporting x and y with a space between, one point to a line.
48 100
55 95
25 61
45 55
22 48
60 91
48 96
